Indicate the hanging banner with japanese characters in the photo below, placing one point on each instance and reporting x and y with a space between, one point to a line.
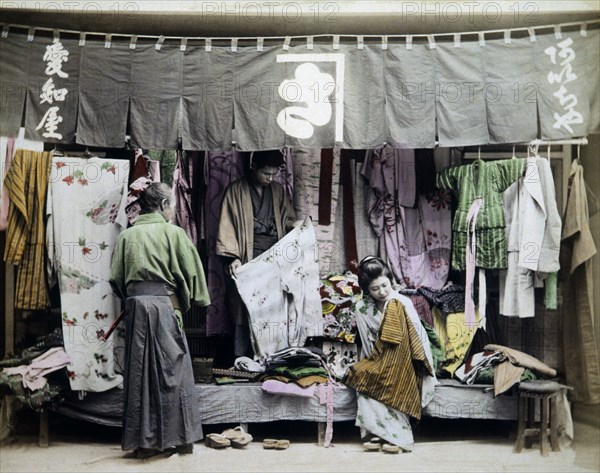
567 75
52 90
407 91
565 83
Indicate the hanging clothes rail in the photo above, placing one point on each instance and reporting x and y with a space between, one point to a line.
575 141
539 142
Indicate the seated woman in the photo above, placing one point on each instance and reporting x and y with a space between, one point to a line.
394 378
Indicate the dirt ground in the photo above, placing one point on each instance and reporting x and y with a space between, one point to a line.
440 446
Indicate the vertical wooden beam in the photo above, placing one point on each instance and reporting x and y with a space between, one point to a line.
9 310
43 439
321 427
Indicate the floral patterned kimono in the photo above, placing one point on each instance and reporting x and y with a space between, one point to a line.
374 417
414 229
85 209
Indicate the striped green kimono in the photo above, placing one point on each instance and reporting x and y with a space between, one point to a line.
487 181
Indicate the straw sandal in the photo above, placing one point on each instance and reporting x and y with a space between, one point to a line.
371 446
217 441
269 444
275 444
238 437
390 448
282 444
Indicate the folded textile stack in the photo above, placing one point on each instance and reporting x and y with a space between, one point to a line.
37 377
502 366
300 367
296 356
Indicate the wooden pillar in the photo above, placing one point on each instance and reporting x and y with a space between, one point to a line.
9 310
43 439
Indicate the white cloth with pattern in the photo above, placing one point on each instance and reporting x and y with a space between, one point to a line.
281 291
85 217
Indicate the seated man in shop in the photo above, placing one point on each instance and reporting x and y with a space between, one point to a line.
255 214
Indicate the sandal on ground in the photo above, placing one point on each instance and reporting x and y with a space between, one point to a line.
217 441
275 444
237 437
371 446
390 448
269 444
282 444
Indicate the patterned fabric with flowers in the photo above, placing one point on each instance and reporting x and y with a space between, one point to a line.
416 234
339 293
85 208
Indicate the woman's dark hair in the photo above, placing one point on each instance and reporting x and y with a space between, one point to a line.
272 158
371 268
152 197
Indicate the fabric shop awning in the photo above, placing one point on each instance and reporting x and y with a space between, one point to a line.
407 91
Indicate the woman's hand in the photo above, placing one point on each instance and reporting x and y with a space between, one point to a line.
233 267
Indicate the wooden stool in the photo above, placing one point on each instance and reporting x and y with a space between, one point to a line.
544 396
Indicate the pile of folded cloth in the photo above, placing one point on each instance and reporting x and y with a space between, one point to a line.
295 371
37 377
291 371
502 366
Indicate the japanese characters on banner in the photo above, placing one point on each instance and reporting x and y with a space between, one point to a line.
459 94
52 90
569 65
54 57
567 101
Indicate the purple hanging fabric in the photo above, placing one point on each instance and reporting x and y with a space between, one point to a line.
223 168
184 214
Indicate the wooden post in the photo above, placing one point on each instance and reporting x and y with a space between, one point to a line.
9 306
43 439
321 427
554 422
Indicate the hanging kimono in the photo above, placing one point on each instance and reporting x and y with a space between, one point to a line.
8 148
416 237
308 179
280 289
367 241
182 187
533 237
374 416
85 217
486 181
27 182
221 168
579 340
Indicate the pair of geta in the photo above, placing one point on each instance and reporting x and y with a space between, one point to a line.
376 445
276 444
236 438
